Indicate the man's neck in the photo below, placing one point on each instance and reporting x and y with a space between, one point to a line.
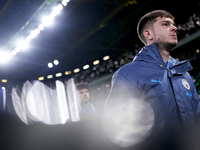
85 105
164 52
165 55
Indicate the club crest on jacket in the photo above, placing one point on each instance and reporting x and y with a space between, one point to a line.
186 84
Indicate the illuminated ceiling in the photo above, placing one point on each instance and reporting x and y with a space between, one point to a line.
84 31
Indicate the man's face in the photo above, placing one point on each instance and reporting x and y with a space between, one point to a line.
84 95
164 32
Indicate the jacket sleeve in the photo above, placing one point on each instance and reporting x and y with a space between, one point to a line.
120 91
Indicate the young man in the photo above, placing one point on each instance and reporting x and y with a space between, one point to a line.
86 109
155 77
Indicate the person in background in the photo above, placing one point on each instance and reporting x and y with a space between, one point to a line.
86 108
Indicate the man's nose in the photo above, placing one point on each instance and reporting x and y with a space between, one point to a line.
174 28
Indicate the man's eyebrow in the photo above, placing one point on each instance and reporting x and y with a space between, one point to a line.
167 21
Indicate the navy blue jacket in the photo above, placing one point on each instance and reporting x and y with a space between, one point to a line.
169 90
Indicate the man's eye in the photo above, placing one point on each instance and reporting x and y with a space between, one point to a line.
164 24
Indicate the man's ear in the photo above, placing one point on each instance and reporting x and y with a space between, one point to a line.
148 34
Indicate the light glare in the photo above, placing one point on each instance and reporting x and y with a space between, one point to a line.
41 27
58 74
17 49
67 72
64 3
47 20
56 62
106 57
41 78
76 70
49 76
96 62
4 56
4 80
22 45
28 39
14 52
50 65
86 67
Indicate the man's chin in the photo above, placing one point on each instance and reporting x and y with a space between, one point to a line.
172 45
85 101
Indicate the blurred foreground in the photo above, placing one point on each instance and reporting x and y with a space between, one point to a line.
87 135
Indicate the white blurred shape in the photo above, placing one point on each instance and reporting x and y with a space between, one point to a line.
73 100
62 101
38 100
46 104
18 107
25 90
128 123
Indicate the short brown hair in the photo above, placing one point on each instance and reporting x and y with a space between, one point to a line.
148 20
81 86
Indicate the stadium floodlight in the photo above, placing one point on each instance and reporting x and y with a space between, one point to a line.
58 74
50 65
56 62
86 67
106 57
96 62
76 70
49 76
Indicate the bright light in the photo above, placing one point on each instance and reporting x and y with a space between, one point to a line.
17 49
96 62
5 56
197 50
76 70
56 62
28 39
64 2
50 65
67 72
56 10
22 45
41 78
4 80
86 67
34 33
41 27
49 76
58 74
47 20
106 57
14 52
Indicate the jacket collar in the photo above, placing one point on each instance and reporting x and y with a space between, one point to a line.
151 54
